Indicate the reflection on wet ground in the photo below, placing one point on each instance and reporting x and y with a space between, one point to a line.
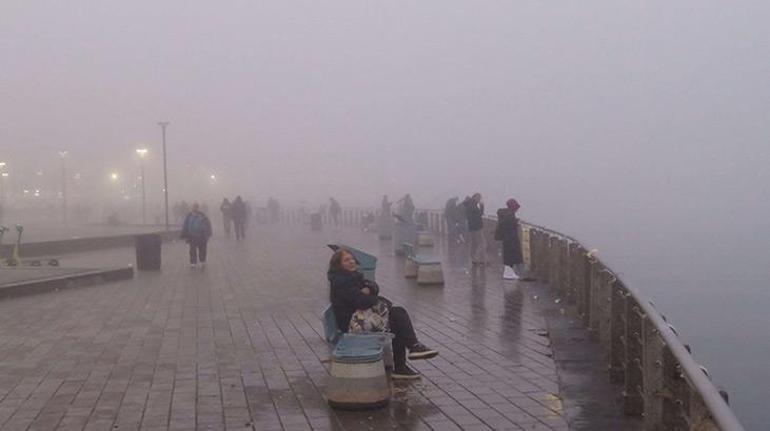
238 346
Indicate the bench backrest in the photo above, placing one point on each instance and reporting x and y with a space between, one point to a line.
331 331
408 249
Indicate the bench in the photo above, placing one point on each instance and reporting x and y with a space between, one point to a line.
426 269
424 239
357 379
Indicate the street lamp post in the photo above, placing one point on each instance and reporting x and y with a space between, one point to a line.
63 155
3 176
163 125
142 153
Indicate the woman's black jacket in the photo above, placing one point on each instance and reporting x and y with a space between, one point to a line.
346 296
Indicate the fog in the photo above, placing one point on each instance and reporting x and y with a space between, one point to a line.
639 127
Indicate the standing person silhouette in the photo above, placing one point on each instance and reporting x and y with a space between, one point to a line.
334 211
227 216
238 213
196 230
474 213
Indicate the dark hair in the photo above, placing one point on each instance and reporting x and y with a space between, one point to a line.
335 263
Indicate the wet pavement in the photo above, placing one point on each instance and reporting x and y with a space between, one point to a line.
237 346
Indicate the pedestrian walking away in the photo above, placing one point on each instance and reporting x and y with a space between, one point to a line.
227 216
334 211
474 213
196 230
358 307
507 231
238 213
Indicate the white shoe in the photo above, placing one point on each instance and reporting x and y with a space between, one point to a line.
193 266
509 273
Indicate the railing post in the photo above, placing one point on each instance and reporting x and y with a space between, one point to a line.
581 280
634 362
677 401
618 323
654 389
526 246
553 263
565 272
597 301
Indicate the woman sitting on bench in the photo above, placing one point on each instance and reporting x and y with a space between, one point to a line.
359 308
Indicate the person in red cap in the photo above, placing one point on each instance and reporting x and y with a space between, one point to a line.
507 231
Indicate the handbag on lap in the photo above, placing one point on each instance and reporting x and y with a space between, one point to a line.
373 319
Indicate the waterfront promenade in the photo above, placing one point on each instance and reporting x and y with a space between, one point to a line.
237 346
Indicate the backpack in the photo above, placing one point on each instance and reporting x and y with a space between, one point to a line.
197 226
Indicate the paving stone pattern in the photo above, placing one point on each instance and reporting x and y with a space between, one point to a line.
237 346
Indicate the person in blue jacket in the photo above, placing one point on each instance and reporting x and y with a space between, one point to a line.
196 230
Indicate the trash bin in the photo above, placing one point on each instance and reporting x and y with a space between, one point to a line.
367 263
148 252
315 222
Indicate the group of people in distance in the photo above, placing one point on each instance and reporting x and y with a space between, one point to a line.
196 227
358 305
235 214
467 219
356 301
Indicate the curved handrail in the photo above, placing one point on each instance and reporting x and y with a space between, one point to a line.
720 411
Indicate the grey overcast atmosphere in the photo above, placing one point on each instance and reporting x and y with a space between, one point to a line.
641 128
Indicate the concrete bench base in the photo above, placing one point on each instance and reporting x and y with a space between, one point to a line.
430 274
410 268
358 386
424 239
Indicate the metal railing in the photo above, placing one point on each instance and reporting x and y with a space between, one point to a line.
660 379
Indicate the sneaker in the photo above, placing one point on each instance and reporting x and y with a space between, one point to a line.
419 351
509 273
193 266
404 373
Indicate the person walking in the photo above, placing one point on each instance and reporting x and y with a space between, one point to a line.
334 211
227 215
474 213
406 210
385 225
196 230
507 231
238 213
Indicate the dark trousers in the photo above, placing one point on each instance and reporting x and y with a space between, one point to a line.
197 250
240 229
401 327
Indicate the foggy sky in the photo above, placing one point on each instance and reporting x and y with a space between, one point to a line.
557 103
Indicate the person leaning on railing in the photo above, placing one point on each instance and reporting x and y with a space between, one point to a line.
359 308
507 231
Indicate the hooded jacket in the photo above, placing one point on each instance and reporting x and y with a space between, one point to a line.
507 231
346 296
